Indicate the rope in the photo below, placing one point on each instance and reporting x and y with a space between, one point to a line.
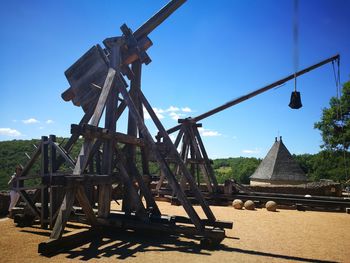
296 42
340 112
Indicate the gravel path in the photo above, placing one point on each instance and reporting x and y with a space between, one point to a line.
257 236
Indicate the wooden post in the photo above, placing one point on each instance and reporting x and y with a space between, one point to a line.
54 192
64 212
206 159
44 190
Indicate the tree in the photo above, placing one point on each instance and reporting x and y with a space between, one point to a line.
335 122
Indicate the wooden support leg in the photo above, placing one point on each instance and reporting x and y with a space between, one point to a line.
44 215
198 155
206 159
145 191
135 198
104 200
86 149
30 203
85 204
64 213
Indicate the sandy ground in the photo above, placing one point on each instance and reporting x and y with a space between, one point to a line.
257 236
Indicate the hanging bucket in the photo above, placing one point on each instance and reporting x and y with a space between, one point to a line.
295 100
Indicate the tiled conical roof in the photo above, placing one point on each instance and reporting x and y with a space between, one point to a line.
279 165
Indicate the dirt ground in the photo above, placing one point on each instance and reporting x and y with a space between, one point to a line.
257 236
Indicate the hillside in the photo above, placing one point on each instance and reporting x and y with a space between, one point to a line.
324 165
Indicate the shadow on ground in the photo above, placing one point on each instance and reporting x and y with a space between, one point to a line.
127 244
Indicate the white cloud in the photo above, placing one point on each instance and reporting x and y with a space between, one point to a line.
9 132
49 121
146 116
255 151
173 108
157 111
208 133
14 120
30 121
186 109
175 116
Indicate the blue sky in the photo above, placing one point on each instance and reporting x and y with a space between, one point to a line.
205 54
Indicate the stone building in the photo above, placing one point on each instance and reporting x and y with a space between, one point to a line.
278 168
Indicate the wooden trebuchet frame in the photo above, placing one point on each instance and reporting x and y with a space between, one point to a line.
107 158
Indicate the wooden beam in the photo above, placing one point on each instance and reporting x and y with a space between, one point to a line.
85 204
92 132
198 154
44 190
206 159
30 203
64 212
130 189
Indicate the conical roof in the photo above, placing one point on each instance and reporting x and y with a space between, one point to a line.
279 165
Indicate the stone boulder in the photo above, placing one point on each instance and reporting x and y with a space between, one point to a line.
237 204
271 206
249 205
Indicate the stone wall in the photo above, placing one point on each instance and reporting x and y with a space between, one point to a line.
316 188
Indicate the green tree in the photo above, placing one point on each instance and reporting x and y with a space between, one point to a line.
335 122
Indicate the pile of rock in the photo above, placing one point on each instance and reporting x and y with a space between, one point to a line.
250 205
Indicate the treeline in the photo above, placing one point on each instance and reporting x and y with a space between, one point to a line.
324 165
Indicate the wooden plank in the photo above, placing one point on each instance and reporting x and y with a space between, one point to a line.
44 212
64 213
109 83
92 132
120 110
32 160
85 204
72 140
137 69
183 168
198 154
130 150
70 241
63 154
145 190
53 194
130 189
104 200
184 156
206 159
30 203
